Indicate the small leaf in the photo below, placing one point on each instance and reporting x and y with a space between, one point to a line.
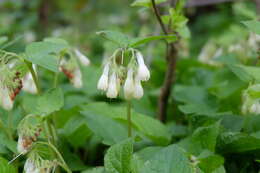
119 156
253 25
254 72
143 40
50 102
116 37
5 167
146 3
95 170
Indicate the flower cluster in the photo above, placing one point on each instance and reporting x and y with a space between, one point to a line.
28 131
36 164
71 68
10 83
251 100
125 67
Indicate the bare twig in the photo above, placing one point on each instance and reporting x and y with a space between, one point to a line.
171 57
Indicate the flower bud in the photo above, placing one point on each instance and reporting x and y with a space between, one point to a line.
143 73
112 90
82 58
6 101
77 79
103 81
129 87
30 167
28 84
255 108
138 92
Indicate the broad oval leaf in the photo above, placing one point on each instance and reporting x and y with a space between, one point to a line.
143 40
116 37
119 156
253 25
5 167
45 54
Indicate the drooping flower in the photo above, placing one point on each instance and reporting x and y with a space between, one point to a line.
6 101
112 90
138 92
28 83
82 58
77 78
31 167
255 108
143 73
129 87
103 81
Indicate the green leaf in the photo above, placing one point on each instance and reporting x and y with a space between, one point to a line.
254 72
231 142
168 160
208 161
146 3
143 40
6 142
240 73
146 125
5 167
45 54
105 127
50 102
205 138
253 25
116 37
95 170
3 39
118 157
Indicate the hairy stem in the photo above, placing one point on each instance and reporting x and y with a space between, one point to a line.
129 105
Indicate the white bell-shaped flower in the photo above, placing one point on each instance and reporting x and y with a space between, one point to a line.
77 78
30 167
28 84
129 87
112 90
6 101
255 108
103 81
82 58
138 91
20 145
143 73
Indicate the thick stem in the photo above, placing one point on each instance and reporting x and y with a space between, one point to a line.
129 105
167 84
171 57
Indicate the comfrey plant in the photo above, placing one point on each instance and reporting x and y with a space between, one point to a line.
10 79
251 101
125 68
71 68
117 73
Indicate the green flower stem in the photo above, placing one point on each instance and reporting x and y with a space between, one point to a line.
56 80
129 105
63 165
10 126
35 79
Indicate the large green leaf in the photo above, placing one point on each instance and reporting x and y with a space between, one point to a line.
5 167
253 26
105 127
8 143
50 102
168 160
231 142
146 125
45 54
209 162
254 72
119 156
